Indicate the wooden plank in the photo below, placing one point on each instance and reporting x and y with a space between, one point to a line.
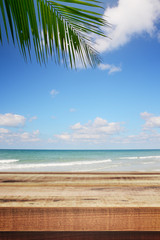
79 202
79 219
79 235
79 190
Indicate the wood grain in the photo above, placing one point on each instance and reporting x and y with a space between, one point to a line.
79 202
79 219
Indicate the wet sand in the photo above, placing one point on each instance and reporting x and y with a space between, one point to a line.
79 201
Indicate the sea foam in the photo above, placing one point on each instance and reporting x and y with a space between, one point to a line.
142 157
41 165
6 161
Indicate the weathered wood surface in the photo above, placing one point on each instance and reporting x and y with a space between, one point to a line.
79 201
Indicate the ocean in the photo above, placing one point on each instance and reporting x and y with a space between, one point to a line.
79 160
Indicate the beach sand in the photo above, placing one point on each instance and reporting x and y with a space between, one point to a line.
79 201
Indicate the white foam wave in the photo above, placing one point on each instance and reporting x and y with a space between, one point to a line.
149 157
96 169
143 157
148 162
42 165
8 160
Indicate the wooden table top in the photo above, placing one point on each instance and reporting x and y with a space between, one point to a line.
79 201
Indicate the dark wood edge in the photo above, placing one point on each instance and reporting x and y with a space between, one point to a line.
129 235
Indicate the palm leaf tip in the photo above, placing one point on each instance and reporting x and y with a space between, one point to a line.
54 29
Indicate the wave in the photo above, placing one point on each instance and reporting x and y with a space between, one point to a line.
95 169
148 162
8 160
41 165
143 157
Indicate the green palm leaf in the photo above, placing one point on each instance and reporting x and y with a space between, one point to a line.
54 29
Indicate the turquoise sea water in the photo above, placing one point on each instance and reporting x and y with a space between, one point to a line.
79 160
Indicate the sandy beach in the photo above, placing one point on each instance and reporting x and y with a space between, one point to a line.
79 201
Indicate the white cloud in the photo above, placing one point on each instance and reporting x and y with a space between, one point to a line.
12 137
97 131
145 139
54 92
72 109
146 115
129 18
99 122
110 67
76 126
3 130
36 132
32 118
104 133
148 136
151 120
64 136
12 120
29 137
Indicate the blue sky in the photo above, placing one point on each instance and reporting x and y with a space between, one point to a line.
115 106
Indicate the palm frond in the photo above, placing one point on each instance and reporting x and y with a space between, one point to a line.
54 29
